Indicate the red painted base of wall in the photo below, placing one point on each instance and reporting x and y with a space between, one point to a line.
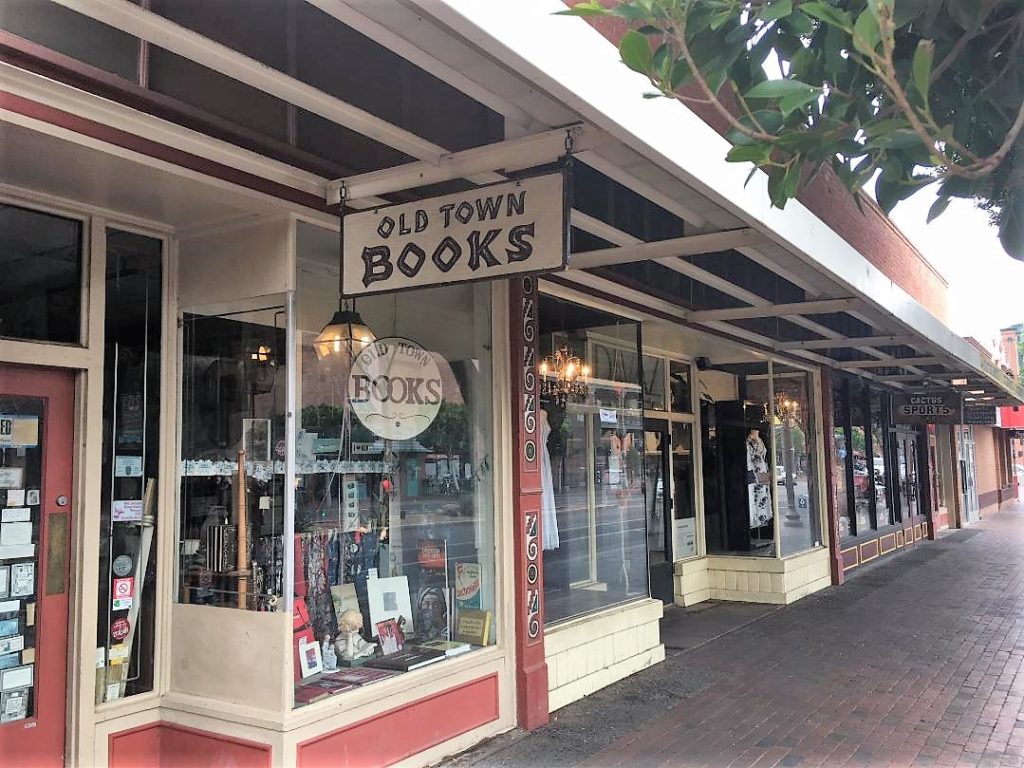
395 735
166 744
379 741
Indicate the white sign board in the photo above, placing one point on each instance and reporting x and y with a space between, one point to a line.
495 231
395 388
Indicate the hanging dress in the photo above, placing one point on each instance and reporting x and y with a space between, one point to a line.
759 494
549 521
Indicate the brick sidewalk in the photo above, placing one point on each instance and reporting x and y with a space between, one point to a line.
918 660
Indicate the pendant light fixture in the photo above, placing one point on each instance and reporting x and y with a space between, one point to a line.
563 376
346 333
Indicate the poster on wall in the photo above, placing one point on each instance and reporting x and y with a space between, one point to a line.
504 229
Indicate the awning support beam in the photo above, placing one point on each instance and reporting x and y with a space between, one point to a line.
853 342
513 154
690 245
824 306
899 362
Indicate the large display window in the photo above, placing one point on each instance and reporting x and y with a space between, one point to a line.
736 454
342 469
129 512
594 531
795 459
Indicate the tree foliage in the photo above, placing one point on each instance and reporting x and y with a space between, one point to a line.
908 92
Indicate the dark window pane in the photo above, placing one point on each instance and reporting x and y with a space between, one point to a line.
131 432
41 269
257 29
679 380
880 464
72 34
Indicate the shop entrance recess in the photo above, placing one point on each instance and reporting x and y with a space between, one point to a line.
907 475
36 434
968 477
658 494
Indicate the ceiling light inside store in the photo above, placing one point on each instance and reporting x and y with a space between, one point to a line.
976 391
959 382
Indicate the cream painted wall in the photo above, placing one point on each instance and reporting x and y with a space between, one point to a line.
586 654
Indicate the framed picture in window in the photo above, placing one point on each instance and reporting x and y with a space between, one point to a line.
389 599
311 660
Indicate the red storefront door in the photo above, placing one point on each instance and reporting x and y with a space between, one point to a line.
36 439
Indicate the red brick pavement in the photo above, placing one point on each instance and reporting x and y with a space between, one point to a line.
919 663
916 661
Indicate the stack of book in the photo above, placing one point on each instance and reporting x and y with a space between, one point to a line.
448 647
406 660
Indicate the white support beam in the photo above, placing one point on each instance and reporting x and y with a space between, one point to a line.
660 249
513 154
161 32
778 310
909 378
851 342
897 362
642 188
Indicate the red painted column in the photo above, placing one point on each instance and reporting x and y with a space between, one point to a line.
531 668
835 557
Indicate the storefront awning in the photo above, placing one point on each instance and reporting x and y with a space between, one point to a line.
780 279
660 146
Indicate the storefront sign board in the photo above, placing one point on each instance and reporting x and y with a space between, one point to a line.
926 408
395 388
504 229
980 415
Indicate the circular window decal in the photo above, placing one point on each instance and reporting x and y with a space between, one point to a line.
395 388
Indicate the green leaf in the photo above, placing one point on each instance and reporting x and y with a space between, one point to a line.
791 181
940 205
922 67
1011 228
591 8
777 10
901 138
866 33
681 74
777 89
635 52
799 23
828 14
759 154
630 12
793 102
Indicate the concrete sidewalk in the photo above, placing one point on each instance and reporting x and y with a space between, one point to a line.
917 660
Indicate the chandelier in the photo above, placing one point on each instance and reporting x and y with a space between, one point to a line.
785 407
563 376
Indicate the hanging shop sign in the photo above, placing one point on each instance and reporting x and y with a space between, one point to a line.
926 408
495 231
395 388
980 415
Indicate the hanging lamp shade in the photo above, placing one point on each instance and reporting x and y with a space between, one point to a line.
345 333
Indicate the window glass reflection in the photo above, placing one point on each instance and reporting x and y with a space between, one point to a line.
595 554
795 469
